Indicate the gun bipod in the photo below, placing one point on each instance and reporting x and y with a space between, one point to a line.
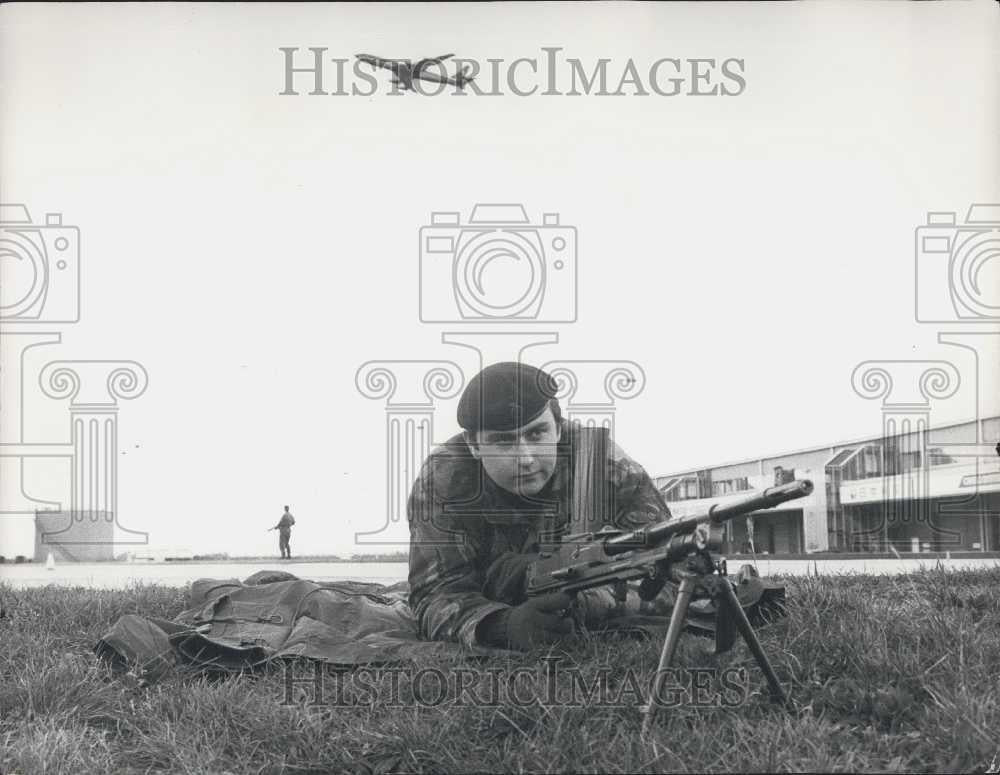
729 613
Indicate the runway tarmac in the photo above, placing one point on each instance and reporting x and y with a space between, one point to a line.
111 575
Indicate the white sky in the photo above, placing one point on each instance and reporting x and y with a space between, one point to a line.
253 250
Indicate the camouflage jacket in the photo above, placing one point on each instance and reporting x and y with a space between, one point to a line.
471 541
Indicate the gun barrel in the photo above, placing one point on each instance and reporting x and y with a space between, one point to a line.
716 515
772 496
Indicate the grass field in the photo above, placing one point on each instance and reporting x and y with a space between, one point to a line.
886 674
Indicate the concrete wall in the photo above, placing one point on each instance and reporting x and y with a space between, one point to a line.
89 537
955 434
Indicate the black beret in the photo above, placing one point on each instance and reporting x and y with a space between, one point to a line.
505 396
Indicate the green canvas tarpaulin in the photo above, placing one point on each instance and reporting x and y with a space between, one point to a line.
232 626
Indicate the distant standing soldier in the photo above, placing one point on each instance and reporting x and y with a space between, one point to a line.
284 528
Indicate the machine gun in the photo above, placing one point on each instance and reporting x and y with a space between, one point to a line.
679 550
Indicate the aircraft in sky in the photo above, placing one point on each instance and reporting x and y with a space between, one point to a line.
404 71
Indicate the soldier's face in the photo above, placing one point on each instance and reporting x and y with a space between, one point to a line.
523 460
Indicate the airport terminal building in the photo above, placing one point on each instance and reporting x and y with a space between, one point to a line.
925 490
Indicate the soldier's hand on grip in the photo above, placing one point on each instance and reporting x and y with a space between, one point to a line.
651 586
539 621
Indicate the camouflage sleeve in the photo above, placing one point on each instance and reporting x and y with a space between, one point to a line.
637 501
446 572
